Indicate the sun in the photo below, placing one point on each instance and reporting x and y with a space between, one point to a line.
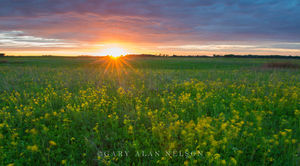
114 52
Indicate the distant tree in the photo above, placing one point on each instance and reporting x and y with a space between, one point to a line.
229 55
2 54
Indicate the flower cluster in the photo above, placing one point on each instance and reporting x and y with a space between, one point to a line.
66 115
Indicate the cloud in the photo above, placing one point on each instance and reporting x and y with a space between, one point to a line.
11 40
155 22
271 48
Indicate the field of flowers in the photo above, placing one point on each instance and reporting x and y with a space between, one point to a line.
151 111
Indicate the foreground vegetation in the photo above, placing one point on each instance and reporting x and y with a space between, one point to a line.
167 111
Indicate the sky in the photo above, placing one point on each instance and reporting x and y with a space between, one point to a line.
181 27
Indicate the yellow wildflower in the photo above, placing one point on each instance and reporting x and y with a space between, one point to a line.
52 143
297 113
223 162
286 141
217 156
63 162
283 133
288 130
186 163
233 161
208 154
33 131
33 148
130 129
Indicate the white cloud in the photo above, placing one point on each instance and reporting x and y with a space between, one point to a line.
18 39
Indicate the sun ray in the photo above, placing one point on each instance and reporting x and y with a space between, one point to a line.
115 63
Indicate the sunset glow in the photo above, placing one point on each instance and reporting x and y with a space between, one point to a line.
149 27
114 52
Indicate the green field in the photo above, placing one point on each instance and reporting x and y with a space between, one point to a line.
148 111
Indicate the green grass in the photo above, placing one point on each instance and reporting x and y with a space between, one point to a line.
227 111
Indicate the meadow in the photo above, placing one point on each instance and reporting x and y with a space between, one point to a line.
148 111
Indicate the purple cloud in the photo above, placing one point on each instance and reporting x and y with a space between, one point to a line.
158 22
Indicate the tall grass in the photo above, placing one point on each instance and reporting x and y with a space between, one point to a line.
69 111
